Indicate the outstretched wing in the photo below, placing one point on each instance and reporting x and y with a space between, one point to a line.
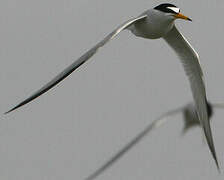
190 61
78 62
155 124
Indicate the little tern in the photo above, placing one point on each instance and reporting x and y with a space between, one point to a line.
190 118
154 23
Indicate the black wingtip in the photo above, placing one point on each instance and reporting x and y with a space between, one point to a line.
14 108
9 111
215 158
212 150
6 112
217 165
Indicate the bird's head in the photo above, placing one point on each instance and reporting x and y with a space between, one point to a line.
171 11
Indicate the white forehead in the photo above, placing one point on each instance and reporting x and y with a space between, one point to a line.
175 9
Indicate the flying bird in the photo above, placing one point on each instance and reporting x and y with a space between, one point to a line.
190 119
154 23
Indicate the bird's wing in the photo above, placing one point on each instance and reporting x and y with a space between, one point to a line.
155 124
78 62
190 61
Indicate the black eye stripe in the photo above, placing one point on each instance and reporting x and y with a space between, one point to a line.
165 8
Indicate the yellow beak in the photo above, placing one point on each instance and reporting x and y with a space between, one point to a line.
181 16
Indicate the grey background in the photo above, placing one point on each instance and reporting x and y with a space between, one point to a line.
74 128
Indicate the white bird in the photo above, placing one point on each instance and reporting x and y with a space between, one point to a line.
190 118
153 24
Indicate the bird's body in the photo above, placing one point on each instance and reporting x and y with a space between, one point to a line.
154 26
153 23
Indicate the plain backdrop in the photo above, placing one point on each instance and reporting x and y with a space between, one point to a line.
74 128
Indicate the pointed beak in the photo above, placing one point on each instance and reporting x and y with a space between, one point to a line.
181 16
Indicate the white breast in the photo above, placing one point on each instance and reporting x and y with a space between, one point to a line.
155 26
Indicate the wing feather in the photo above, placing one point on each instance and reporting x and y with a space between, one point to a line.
77 63
190 61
